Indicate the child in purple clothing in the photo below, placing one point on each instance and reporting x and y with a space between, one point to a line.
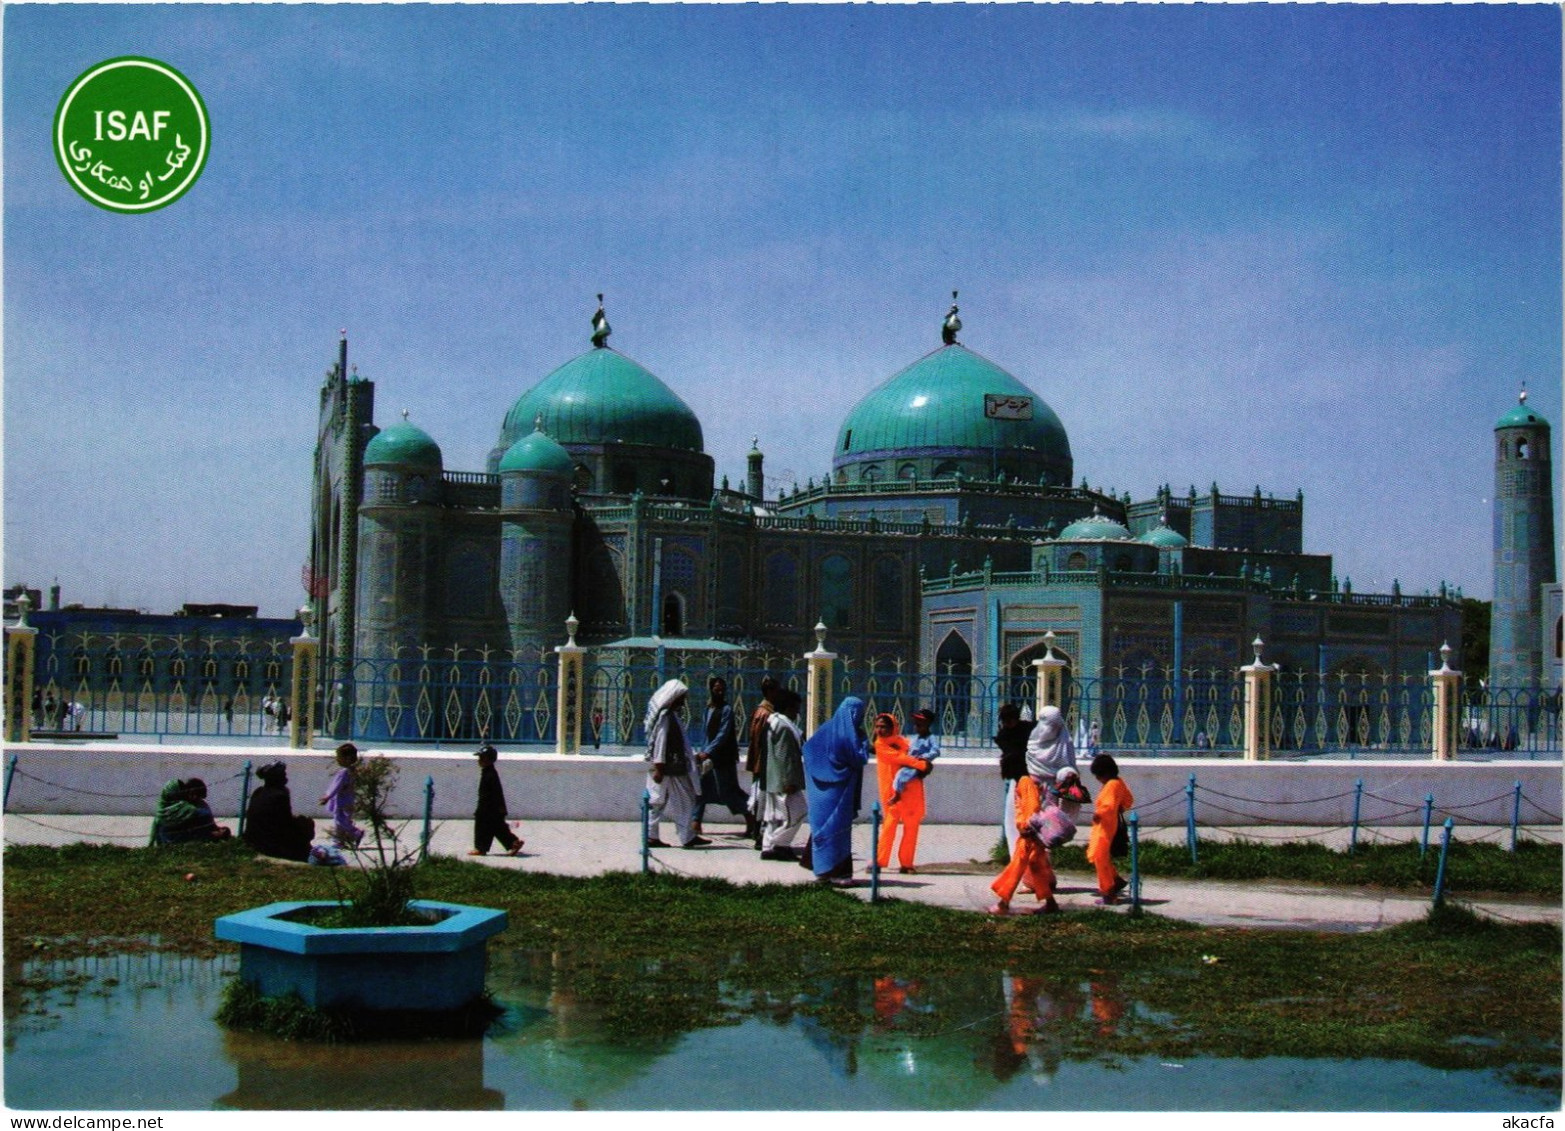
339 798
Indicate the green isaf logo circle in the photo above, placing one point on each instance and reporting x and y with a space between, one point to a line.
131 134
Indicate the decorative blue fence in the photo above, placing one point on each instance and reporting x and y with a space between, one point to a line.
152 686
148 686
442 695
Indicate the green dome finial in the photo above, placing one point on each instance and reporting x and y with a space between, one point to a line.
949 328
1521 416
600 327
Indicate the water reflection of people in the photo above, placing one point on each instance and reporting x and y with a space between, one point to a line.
1108 1003
836 1037
1014 1041
892 997
1043 1015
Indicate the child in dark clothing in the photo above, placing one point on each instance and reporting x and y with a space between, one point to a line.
489 822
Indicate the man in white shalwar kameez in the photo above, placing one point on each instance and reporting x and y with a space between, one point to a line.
671 786
783 805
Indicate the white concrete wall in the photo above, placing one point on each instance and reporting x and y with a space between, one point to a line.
122 779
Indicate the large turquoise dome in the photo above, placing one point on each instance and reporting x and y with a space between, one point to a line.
603 397
403 444
961 411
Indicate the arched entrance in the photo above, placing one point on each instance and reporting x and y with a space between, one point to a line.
953 684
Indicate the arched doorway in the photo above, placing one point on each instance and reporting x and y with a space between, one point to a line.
953 684
673 619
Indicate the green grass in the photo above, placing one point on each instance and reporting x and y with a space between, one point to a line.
1471 869
1452 990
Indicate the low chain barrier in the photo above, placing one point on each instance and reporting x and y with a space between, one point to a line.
14 771
243 776
1393 809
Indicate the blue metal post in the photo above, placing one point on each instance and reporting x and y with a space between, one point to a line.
10 772
1445 847
874 853
646 849
1516 814
1429 808
244 797
1190 818
1135 862
429 809
1180 738
1358 801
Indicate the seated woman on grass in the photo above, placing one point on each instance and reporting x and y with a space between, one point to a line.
183 815
272 828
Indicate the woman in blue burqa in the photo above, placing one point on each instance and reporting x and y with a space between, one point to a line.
834 758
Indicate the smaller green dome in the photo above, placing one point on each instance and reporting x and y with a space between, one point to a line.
1095 528
603 397
536 452
1166 538
1521 416
405 444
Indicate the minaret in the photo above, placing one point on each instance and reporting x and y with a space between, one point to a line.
400 523
756 482
536 520
1523 546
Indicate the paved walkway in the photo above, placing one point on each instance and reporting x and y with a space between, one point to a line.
953 870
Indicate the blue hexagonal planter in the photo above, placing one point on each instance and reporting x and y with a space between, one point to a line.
434 968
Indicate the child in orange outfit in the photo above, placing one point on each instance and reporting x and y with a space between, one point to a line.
906 810
1030 858
1113 801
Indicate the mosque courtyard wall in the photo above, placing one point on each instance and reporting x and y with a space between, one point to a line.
125 779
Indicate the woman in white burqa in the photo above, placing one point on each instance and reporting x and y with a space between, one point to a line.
1049 747
671 786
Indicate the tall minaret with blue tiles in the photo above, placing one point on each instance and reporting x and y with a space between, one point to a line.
1523 546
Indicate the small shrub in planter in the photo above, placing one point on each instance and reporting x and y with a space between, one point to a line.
376 962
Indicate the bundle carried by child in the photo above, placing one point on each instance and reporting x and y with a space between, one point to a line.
1050 827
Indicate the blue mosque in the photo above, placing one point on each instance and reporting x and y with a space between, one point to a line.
951 531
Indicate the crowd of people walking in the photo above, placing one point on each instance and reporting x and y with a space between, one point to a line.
803 798
806 793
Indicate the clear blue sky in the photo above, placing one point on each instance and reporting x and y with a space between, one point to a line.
1308 248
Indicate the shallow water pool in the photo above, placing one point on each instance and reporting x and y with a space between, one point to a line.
137 1033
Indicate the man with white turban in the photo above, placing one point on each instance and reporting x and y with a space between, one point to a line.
783 805
671 787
